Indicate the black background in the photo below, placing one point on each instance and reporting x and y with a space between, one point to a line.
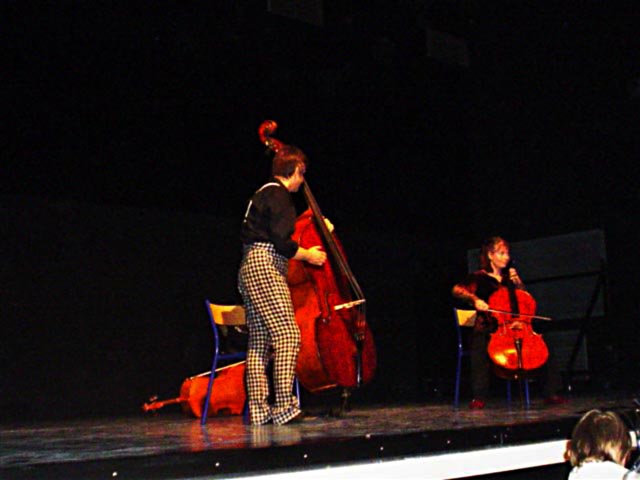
130 148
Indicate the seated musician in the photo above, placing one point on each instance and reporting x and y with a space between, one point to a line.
474 291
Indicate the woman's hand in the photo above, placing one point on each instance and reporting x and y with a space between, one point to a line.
480 305
514 277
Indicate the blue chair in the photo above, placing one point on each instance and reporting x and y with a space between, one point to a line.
466 319
222 317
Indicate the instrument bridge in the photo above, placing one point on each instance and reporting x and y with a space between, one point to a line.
349 304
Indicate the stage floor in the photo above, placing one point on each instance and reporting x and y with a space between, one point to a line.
168 444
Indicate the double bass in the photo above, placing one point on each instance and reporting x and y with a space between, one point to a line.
337 347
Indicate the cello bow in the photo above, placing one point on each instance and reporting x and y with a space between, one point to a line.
516 314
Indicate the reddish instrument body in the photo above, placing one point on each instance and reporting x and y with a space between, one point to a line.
337 347
514 346
228 394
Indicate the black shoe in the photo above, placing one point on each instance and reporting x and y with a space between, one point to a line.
299 418
302 417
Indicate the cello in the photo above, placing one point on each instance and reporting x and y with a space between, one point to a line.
228 395
337 348
515 347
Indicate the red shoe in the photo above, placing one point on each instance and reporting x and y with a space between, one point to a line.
476 404
555 400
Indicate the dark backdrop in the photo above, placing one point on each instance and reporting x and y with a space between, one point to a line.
130 148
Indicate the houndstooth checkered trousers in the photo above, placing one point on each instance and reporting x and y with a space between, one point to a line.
262 281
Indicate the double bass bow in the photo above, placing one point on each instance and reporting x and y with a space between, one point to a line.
337 348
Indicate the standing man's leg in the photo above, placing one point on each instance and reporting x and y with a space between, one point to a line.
257 361
285 336
253 285
263 284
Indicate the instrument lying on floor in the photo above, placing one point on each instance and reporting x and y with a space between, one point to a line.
228 394
337 348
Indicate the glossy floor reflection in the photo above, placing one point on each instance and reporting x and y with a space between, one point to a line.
168 444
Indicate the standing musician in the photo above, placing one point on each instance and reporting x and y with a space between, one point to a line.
475 290
262 280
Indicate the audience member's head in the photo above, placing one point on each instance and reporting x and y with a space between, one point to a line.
599 437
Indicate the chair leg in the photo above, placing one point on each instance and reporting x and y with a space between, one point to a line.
296 386
527 399
207 398
456 396
245 412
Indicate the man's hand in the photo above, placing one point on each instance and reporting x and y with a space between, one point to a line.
329 225
315 255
